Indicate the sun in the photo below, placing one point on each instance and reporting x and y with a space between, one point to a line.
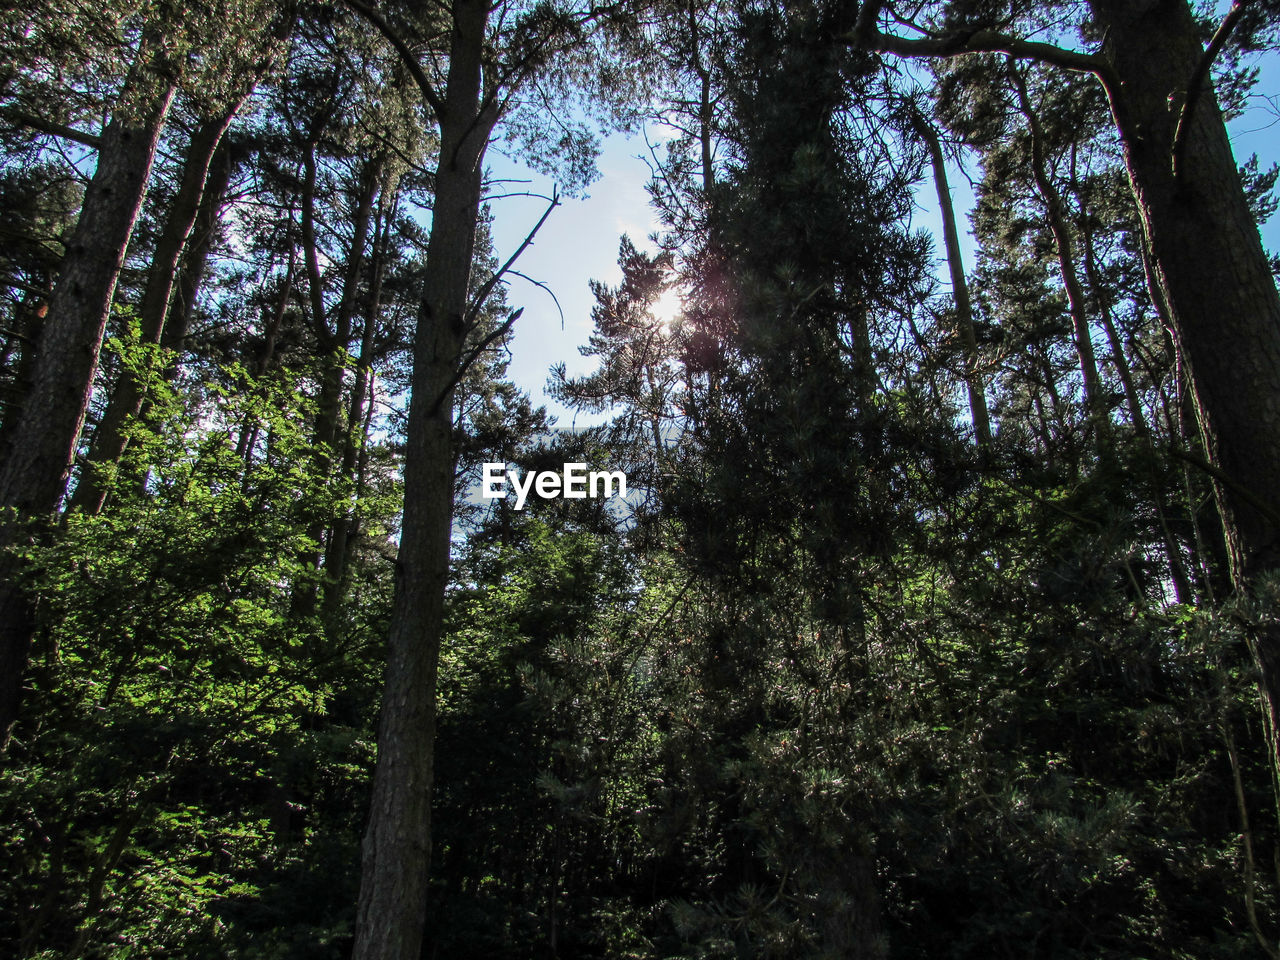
667 307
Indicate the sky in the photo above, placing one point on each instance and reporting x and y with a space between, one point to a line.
579 241
577 244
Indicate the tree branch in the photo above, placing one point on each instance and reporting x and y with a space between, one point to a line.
50 127
478 304
549 292
483 293
408 56
15 335
867 35
471 357
1220 475
1199 79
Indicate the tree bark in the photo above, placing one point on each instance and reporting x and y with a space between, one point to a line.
1055 214
110 439
1212 273
959 288
397 843
34 475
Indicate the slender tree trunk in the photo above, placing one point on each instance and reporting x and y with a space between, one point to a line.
273 318
337 553
1101 297
329 416
1212 273
1055 213
333 344
195 258
110 439
34 475
706 108
959 288
397 843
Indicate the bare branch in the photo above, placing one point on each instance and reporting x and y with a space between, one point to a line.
1196 85
482 295
471 357
551 293
487 288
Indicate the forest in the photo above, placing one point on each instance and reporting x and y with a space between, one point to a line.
940 619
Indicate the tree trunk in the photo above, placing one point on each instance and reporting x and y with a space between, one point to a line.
34 475
338 339
397 843
28 320
110 440
959 288
1102 299
1213 275
195 259
1055 212
356 436
273 318
333 345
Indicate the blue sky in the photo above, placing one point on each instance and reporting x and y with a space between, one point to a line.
579 242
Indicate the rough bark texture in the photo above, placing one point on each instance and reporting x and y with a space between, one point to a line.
397 843
110 439
34 475
1211 271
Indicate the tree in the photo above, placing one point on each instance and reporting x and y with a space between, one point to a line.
492 54
154 310
1210 269
978 411
48 427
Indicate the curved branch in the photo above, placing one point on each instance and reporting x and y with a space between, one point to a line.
545 288
1196 85
867 35
407 55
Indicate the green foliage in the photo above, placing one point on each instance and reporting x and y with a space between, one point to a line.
834 682
193 752
542 740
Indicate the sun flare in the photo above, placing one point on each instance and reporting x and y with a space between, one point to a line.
667 307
